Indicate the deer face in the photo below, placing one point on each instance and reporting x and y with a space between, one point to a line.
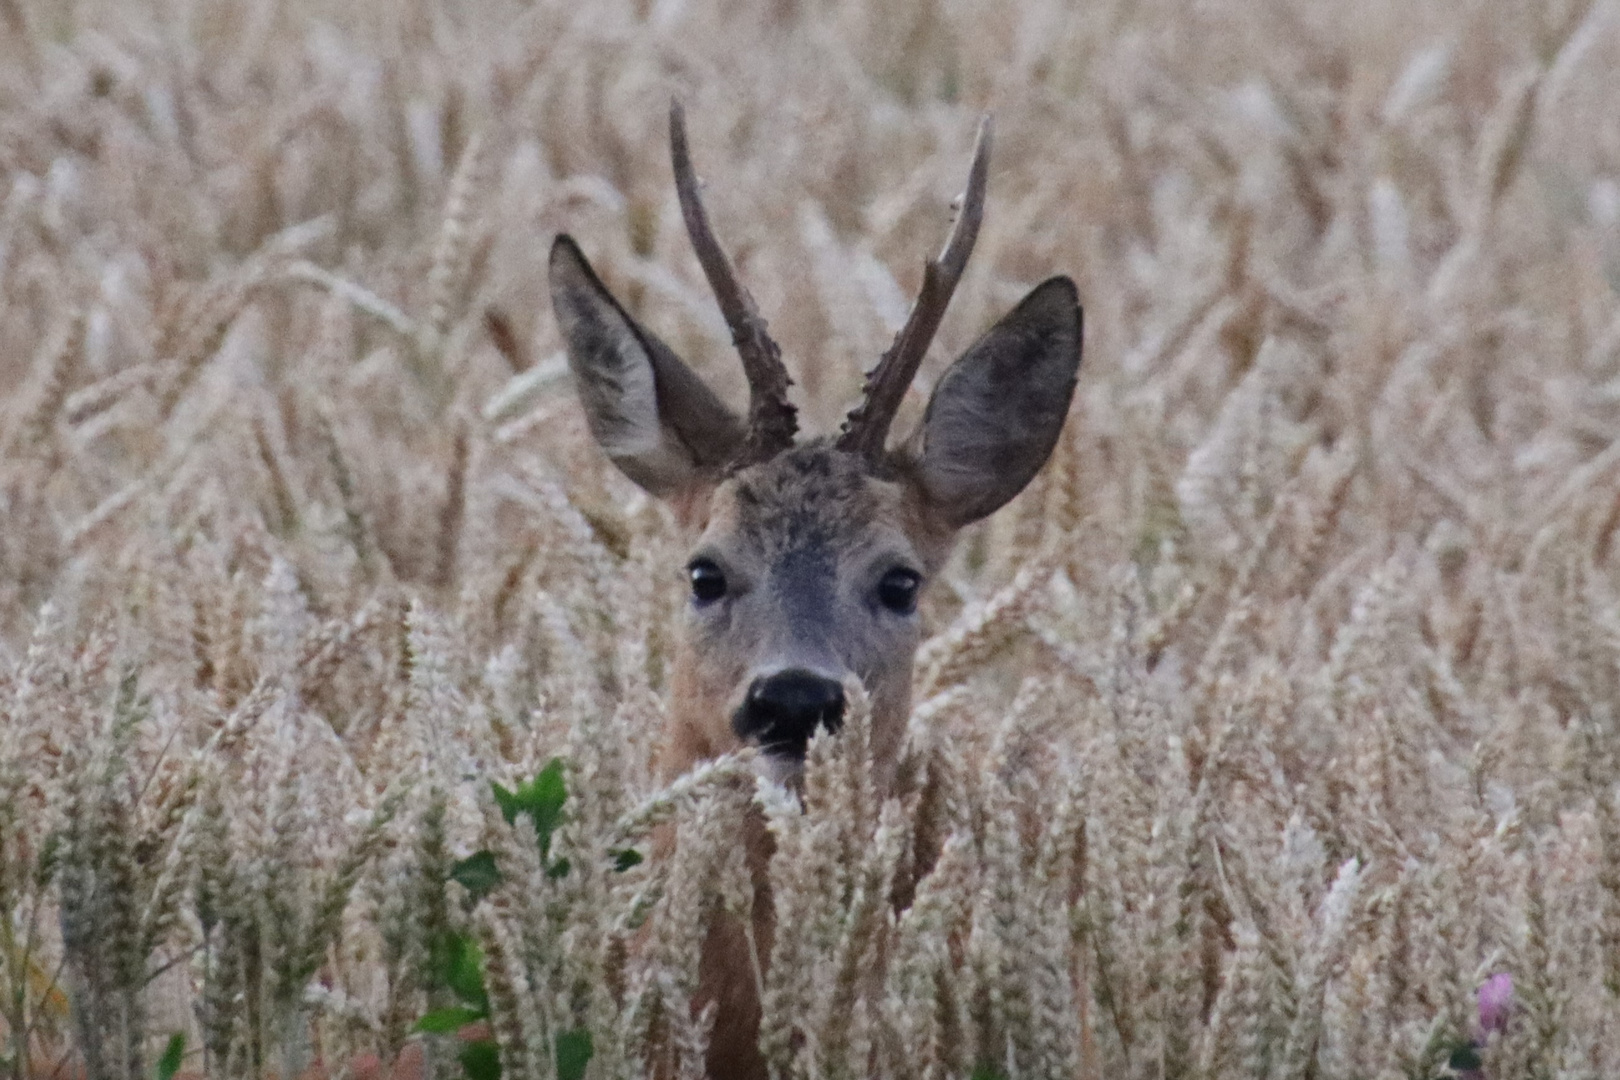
806 574
807 562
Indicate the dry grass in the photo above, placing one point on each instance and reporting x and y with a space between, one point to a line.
1271 722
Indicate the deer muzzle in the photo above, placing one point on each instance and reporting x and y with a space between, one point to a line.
782 711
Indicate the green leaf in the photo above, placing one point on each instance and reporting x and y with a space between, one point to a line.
625 858
559 869
541 798
447 1021
467 977
574 1049
173 1053
546 796
508 801
550 788
459 964
481 1060
477 873
1466 1058
987 1072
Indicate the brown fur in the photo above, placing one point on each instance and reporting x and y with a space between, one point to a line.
804 541
812 497
809 497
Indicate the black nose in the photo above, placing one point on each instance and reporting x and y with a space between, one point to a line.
783 710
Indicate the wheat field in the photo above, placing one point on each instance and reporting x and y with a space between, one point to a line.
1271 733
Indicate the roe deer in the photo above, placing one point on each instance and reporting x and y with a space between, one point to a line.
808 560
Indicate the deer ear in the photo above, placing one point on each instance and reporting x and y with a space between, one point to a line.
650 413
997 411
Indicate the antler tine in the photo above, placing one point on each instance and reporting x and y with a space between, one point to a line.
772 421
867 426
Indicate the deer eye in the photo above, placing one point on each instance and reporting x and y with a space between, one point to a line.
707 579
898 590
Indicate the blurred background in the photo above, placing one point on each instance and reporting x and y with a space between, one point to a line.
1346 180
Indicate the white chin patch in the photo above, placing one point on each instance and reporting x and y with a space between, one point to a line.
778 769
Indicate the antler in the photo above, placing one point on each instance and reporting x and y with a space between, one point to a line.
771 419
867 426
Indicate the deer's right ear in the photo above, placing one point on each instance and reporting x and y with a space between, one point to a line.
650 413
997 412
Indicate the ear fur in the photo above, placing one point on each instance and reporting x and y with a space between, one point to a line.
651 414
998 410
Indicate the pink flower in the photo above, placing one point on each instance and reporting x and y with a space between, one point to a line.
1495 1004
1495 1007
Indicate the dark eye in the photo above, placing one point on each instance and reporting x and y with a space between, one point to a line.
708 583
898 590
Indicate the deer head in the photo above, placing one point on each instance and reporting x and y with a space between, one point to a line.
808 560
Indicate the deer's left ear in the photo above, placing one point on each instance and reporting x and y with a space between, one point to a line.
997 411
656 420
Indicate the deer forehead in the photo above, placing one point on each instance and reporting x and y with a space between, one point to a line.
814 504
